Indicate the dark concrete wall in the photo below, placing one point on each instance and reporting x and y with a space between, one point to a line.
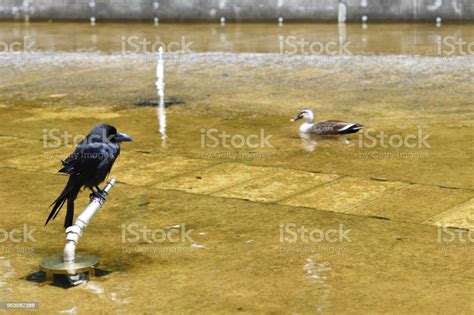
238 10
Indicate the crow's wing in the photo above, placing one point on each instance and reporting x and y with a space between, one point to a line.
86 158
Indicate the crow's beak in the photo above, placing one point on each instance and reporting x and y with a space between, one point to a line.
296 118
122 137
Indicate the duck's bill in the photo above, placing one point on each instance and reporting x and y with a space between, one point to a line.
296 118
122 137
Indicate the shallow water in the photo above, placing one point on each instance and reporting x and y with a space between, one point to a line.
236 198
368 39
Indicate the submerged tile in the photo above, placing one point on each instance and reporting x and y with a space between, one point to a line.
343 195
46 160
215 178
461 216
414 203
280 184
144 169
16 147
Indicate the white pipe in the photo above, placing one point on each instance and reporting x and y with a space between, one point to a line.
74 232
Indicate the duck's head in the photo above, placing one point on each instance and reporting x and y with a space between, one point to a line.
306 114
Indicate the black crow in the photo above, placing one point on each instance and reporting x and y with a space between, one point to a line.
88 166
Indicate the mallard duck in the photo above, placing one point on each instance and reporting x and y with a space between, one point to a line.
328 127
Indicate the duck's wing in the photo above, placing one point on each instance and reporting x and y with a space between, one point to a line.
335 127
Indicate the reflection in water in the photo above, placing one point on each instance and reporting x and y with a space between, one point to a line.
342 34
381 39
120 298
311 141
6 271
72 310
318 272
94 41
94 288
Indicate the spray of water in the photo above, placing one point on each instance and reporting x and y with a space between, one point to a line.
160 88
342 12
92 6
26 4
156 5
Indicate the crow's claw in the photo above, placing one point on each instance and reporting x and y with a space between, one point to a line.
99 194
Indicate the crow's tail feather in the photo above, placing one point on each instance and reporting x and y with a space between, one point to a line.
70 212
69 194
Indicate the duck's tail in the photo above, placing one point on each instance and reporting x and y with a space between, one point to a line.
351 128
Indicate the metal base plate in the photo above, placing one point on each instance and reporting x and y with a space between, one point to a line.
55 265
